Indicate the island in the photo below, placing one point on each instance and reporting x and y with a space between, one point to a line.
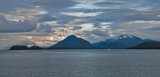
21 47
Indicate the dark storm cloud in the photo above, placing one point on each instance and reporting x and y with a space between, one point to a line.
45 29
125 10
99 33
46 17
120 11
64 19
107 4
127 15
77 28
52 4
97 25
7 26
7 5
155 28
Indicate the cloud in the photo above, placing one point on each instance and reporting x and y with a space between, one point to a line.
77 28
45 28
101 33
46 18
6 5
154 28
7 26
97 25
23 13
81 14
110 3
7 40
93 20
56 4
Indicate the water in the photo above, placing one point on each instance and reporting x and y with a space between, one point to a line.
80 63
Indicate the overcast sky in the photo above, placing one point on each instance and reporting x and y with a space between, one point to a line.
45 22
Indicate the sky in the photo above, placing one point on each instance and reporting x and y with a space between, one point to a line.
45 22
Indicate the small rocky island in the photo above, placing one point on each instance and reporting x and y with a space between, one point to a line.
21 47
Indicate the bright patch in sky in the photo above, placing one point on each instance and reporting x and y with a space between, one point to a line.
81 14
87 26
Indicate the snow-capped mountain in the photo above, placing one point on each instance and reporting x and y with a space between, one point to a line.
125 37
120 42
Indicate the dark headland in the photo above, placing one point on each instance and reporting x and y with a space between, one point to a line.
21 47
147 45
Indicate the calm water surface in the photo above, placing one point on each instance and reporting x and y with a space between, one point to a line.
80 63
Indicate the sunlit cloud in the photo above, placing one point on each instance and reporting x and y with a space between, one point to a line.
81 14
21 13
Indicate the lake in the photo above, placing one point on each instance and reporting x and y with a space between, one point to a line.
80 63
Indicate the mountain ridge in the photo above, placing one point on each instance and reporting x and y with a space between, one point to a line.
120 42
73 42
147 45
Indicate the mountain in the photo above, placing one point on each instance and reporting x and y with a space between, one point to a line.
147 45
72 42
120 42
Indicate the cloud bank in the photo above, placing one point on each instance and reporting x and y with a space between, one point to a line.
47 21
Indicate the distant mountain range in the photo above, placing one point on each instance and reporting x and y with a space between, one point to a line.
120 42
